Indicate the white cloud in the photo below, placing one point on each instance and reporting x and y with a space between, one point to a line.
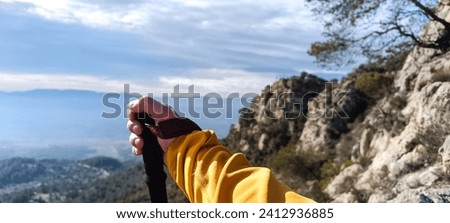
157 16
193 3
49 4
222 81
92 15
231 36
25 82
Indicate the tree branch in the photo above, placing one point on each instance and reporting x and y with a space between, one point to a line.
430 13
418 41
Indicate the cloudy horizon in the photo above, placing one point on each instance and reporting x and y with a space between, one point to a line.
100 45
78 50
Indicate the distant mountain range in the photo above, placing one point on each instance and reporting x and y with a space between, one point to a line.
56 147
68 124
97 179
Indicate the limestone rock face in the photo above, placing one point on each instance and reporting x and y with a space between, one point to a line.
328 117
350 148
444 151
275 118
407 162
410 162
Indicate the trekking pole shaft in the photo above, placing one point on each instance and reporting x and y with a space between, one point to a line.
153 161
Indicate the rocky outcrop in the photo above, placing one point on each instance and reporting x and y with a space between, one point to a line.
329 116
405 158
355 148
444 151
275 118
408 166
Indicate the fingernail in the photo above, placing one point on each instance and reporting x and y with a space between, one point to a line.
137 129
131 104
137 143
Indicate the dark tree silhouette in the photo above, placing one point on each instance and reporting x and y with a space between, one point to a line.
375 29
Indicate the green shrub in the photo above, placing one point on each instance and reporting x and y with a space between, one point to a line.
373 84
285 159
327 172
292 164
347 163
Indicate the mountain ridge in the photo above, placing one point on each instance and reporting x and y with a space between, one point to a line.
381 134
386 138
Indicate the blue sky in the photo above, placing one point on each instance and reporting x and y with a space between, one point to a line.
153 44
99 45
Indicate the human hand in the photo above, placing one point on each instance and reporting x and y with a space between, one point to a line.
157 111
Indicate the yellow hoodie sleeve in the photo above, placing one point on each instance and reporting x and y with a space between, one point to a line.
206 171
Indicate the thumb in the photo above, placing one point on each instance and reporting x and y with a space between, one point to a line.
152 107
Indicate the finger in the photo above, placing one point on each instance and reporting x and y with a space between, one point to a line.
134 127
136 141
154 108
136 151
131 115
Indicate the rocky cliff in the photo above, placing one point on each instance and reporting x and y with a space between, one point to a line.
275 118
382 134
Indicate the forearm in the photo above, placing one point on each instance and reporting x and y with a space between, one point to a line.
206 171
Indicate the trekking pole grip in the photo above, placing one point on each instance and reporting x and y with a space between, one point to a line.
153 161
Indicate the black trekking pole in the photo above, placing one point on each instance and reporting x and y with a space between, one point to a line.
153 161
153 153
